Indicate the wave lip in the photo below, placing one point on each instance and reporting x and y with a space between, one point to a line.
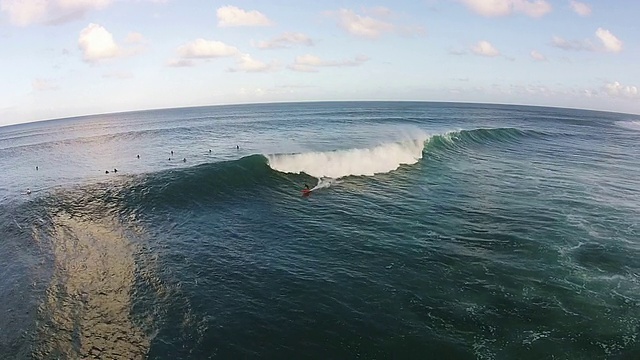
352 162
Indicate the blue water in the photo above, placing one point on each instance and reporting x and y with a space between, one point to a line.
442 230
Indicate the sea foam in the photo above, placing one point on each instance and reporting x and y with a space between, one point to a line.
352 162
631 125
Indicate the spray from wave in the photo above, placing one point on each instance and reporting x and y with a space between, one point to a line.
352 162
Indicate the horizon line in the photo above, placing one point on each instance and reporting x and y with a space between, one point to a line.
315 101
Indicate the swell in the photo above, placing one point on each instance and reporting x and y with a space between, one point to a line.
259 176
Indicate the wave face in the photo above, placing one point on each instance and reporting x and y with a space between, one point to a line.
353 162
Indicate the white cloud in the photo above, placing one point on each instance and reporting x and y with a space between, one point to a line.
286 40
246 63
532 8
579 8
363 26
201 49
609 41
205 49
23 13
27 12
615 89
97 44
43 85
311 63
134 38
229 16
484 48
537 56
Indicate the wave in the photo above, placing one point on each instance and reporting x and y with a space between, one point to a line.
260 176
388 157
631 124
352 162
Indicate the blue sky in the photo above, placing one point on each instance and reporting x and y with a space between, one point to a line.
75 57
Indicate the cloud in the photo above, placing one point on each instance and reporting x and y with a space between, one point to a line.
484 48
363 26
615 89
205 49
608 43
97 44
229 16
134 38
371 27
52 12
246 63
537 56
311 63
286 40
201 49
579 8
43 85
491 8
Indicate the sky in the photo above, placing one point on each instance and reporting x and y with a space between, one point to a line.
63 58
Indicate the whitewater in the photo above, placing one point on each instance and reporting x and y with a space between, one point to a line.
350 162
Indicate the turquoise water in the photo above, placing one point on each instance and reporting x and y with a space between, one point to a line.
434 230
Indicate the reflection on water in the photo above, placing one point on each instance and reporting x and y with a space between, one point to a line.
87 309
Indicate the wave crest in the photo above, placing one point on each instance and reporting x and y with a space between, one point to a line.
352 162
631 124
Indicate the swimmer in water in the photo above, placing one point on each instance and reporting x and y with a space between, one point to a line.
115 170
184 160
28 191
138 156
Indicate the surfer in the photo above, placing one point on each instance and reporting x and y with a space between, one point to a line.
306 187
28 191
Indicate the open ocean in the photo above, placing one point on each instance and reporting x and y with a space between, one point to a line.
435 231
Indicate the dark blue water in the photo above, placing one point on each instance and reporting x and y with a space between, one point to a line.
433 230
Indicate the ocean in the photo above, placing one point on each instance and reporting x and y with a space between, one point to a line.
433 231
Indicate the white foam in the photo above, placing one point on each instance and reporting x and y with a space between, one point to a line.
631 125
353 162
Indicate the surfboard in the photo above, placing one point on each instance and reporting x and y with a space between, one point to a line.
306 192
